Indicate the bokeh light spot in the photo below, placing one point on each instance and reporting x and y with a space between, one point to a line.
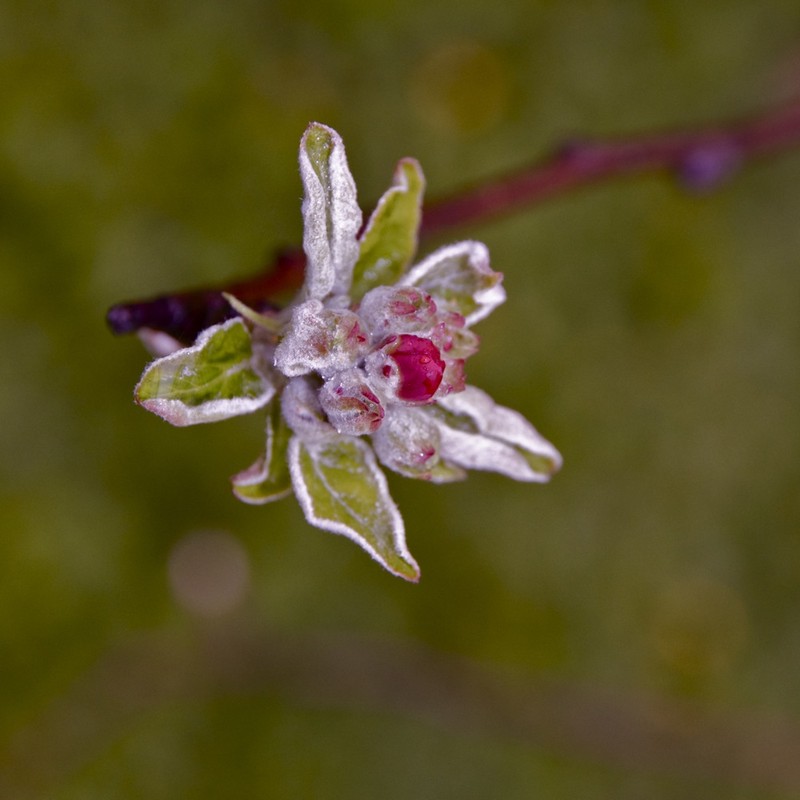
209 573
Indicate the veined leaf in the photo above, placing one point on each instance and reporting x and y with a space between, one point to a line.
341 489
476 433
459 277
331 214
211 380
390 240
268 479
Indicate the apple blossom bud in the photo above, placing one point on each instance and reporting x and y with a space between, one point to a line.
452 337
408 443
320 339
397 309
302 411
414 366
350 404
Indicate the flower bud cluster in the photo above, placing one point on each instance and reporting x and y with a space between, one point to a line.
375 346
396 348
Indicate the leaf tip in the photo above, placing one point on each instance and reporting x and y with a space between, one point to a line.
318 141
412 574
169 410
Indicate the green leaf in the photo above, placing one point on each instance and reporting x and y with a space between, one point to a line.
477 433
268 479
341 489
390 240
211 380
331 214
459 279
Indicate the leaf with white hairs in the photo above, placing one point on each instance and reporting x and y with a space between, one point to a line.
331 214
341 489
213 379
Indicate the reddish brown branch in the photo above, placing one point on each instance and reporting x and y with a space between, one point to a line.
700 158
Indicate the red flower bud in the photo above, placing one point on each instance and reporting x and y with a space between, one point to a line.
419 365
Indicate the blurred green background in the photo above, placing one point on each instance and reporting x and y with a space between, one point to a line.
631 630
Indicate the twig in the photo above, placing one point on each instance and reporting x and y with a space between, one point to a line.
700 158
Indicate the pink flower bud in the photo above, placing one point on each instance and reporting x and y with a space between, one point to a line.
320 339
452 337
350 404
454 378
408 443
393 309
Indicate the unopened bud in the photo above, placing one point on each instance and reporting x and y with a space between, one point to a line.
350 404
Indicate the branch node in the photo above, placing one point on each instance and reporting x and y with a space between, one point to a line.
705 166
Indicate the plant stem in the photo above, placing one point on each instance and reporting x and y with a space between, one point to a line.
700 158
